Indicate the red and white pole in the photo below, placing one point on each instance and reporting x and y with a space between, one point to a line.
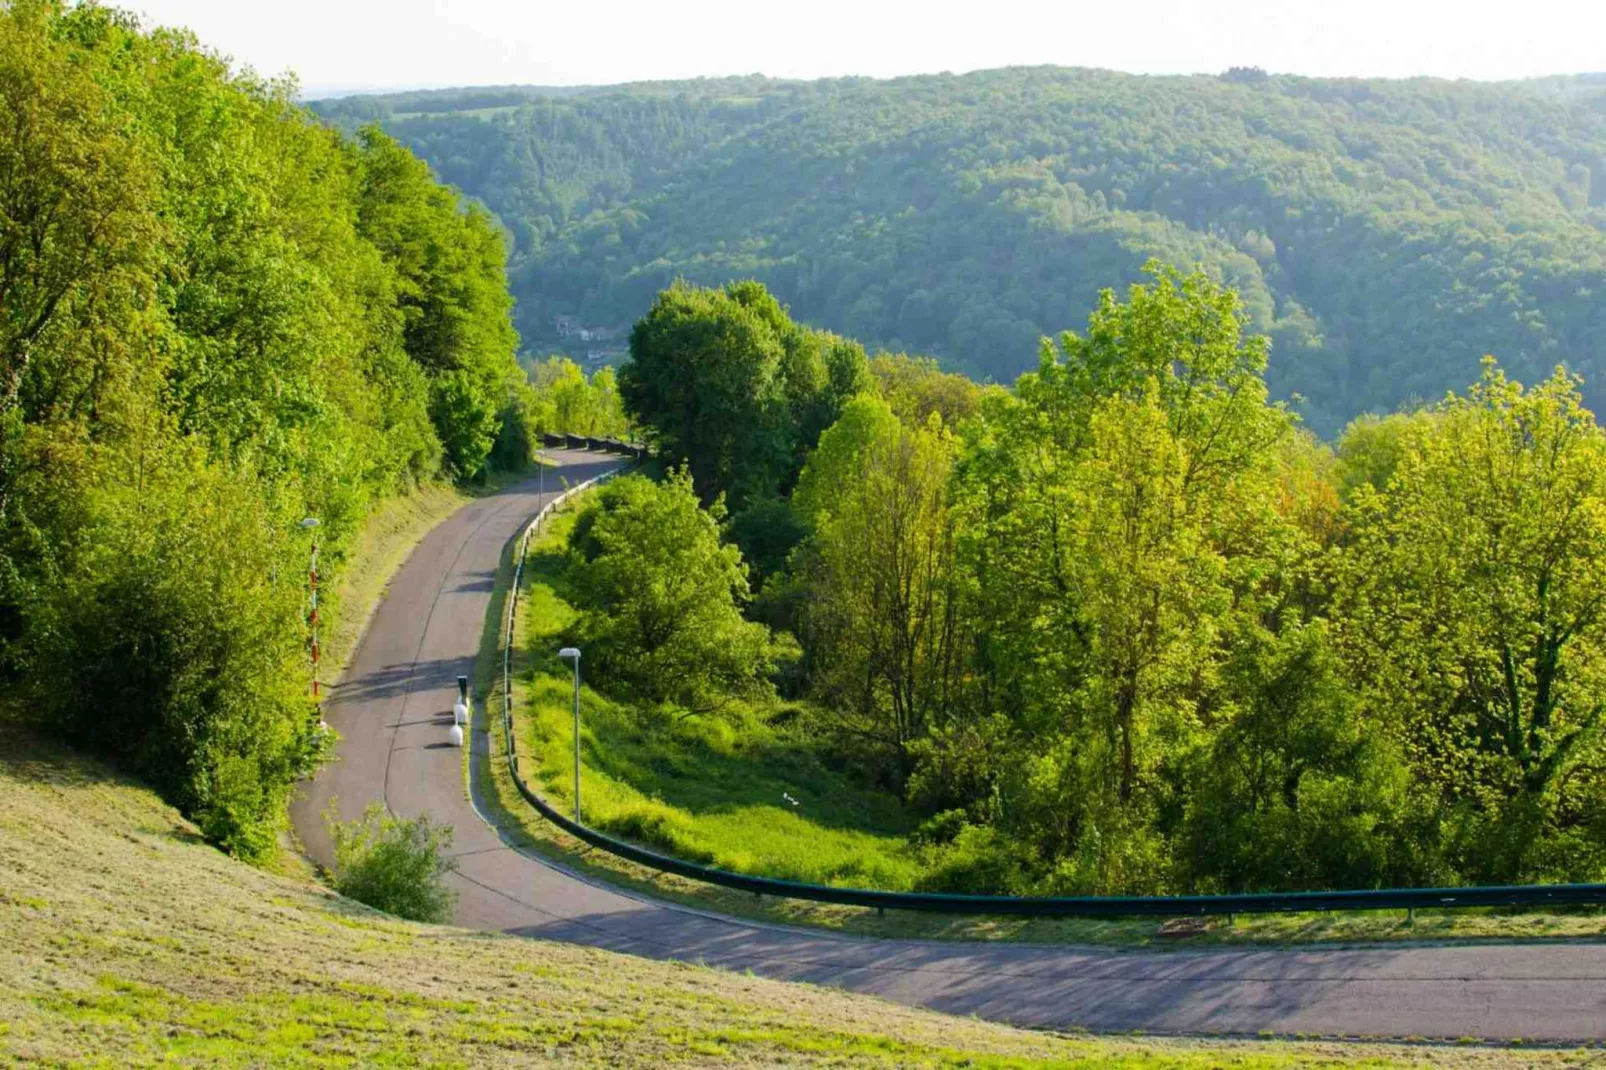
313 584
309 524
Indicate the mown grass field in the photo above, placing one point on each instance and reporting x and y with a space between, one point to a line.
125 941
691 789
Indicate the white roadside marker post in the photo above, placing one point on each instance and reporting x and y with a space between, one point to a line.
459 713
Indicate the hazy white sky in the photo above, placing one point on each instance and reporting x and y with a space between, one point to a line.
400 43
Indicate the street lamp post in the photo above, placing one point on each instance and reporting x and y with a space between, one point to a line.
574 652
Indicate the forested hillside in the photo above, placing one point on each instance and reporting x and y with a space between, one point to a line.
219 320
1384 234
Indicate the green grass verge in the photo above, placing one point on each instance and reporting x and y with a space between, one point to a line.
693 791
125 941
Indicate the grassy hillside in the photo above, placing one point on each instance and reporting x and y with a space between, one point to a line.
126 941
1386 234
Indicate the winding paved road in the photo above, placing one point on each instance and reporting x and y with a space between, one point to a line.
393 709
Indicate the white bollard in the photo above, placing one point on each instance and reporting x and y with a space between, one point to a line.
455 737
460 713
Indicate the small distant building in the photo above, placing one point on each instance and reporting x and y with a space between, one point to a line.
566 325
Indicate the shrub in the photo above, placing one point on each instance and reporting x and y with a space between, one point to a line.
979 861
394 864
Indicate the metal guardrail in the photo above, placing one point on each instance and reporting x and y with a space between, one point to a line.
599 445
513 600
1515 895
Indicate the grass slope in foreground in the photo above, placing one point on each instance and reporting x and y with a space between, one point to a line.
694 790
126 941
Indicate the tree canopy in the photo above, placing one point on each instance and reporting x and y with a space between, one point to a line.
662 597
218 317
1384 235
724 381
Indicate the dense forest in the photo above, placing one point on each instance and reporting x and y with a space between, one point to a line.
219 319
1127 627
1384 234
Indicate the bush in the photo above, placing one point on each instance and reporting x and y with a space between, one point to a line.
394 864
979 861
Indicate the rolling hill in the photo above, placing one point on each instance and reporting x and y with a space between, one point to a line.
1385 234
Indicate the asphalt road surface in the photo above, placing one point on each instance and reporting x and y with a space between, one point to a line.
393 710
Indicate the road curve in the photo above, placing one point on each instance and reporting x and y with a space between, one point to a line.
393 711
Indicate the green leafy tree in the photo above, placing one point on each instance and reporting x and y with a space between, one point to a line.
1472 608
1293 790
465 420
217 317
840 457
570 403
880 621
77 200
767 532
574 403
520 424
661 597
1176 348
610 420
1371 448
705 382
1119 521
916 387
449 259
186 643
726 382
822 373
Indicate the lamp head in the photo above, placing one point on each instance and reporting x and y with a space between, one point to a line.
569 652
